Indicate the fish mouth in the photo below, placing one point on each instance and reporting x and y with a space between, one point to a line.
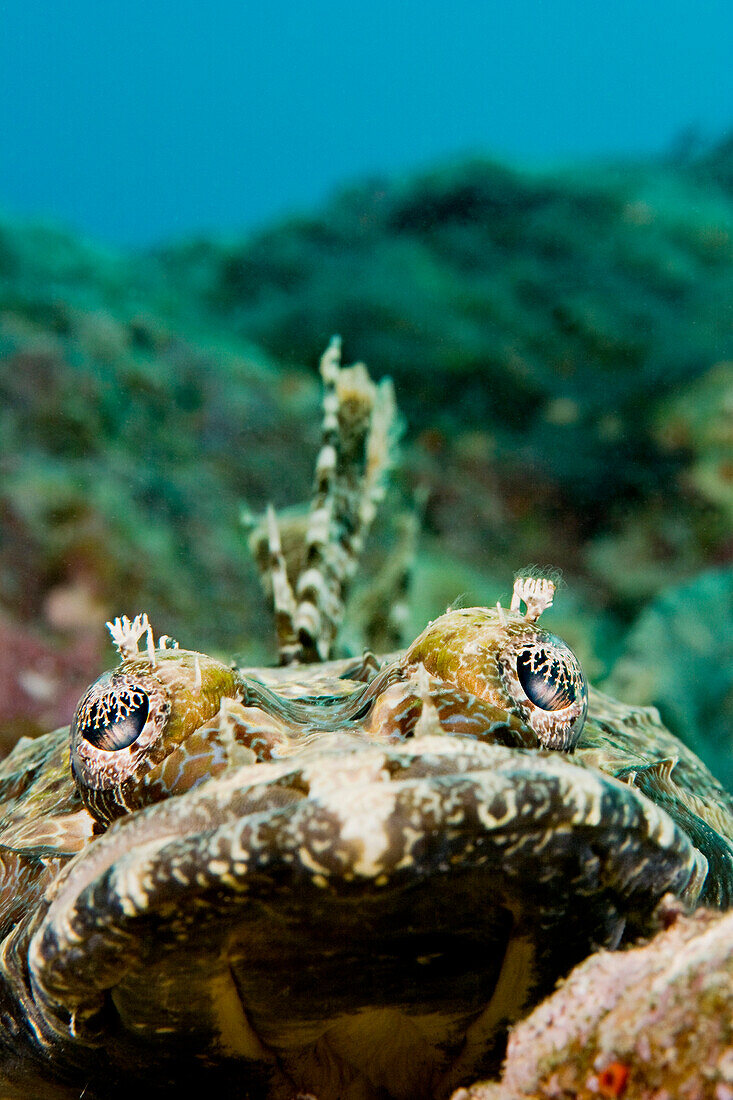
244 917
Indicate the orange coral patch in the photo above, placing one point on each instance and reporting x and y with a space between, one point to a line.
612 1080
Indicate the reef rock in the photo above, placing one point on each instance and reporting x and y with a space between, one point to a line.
651 1023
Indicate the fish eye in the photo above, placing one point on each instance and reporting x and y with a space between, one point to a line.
115 720
135 718
117 712
547 679
544 678
117 730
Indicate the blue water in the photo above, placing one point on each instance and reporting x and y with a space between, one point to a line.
143 120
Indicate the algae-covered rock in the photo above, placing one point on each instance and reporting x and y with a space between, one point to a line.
128 449
555 309
678 656
652 1023
43 673
698 418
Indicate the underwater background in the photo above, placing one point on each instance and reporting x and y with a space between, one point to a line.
523 214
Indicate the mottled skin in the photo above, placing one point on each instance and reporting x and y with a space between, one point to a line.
312 884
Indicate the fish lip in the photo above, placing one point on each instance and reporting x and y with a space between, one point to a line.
258 827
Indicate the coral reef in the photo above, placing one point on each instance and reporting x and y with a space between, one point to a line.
126 449
552 311
557 341
654 1023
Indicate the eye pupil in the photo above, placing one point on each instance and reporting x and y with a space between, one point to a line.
116 722
546 679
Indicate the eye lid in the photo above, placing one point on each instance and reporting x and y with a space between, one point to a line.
556 726
110 699
549 679
103 757
117 721
183 689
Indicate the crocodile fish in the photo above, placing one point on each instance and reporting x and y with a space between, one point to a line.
287 880
343 879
